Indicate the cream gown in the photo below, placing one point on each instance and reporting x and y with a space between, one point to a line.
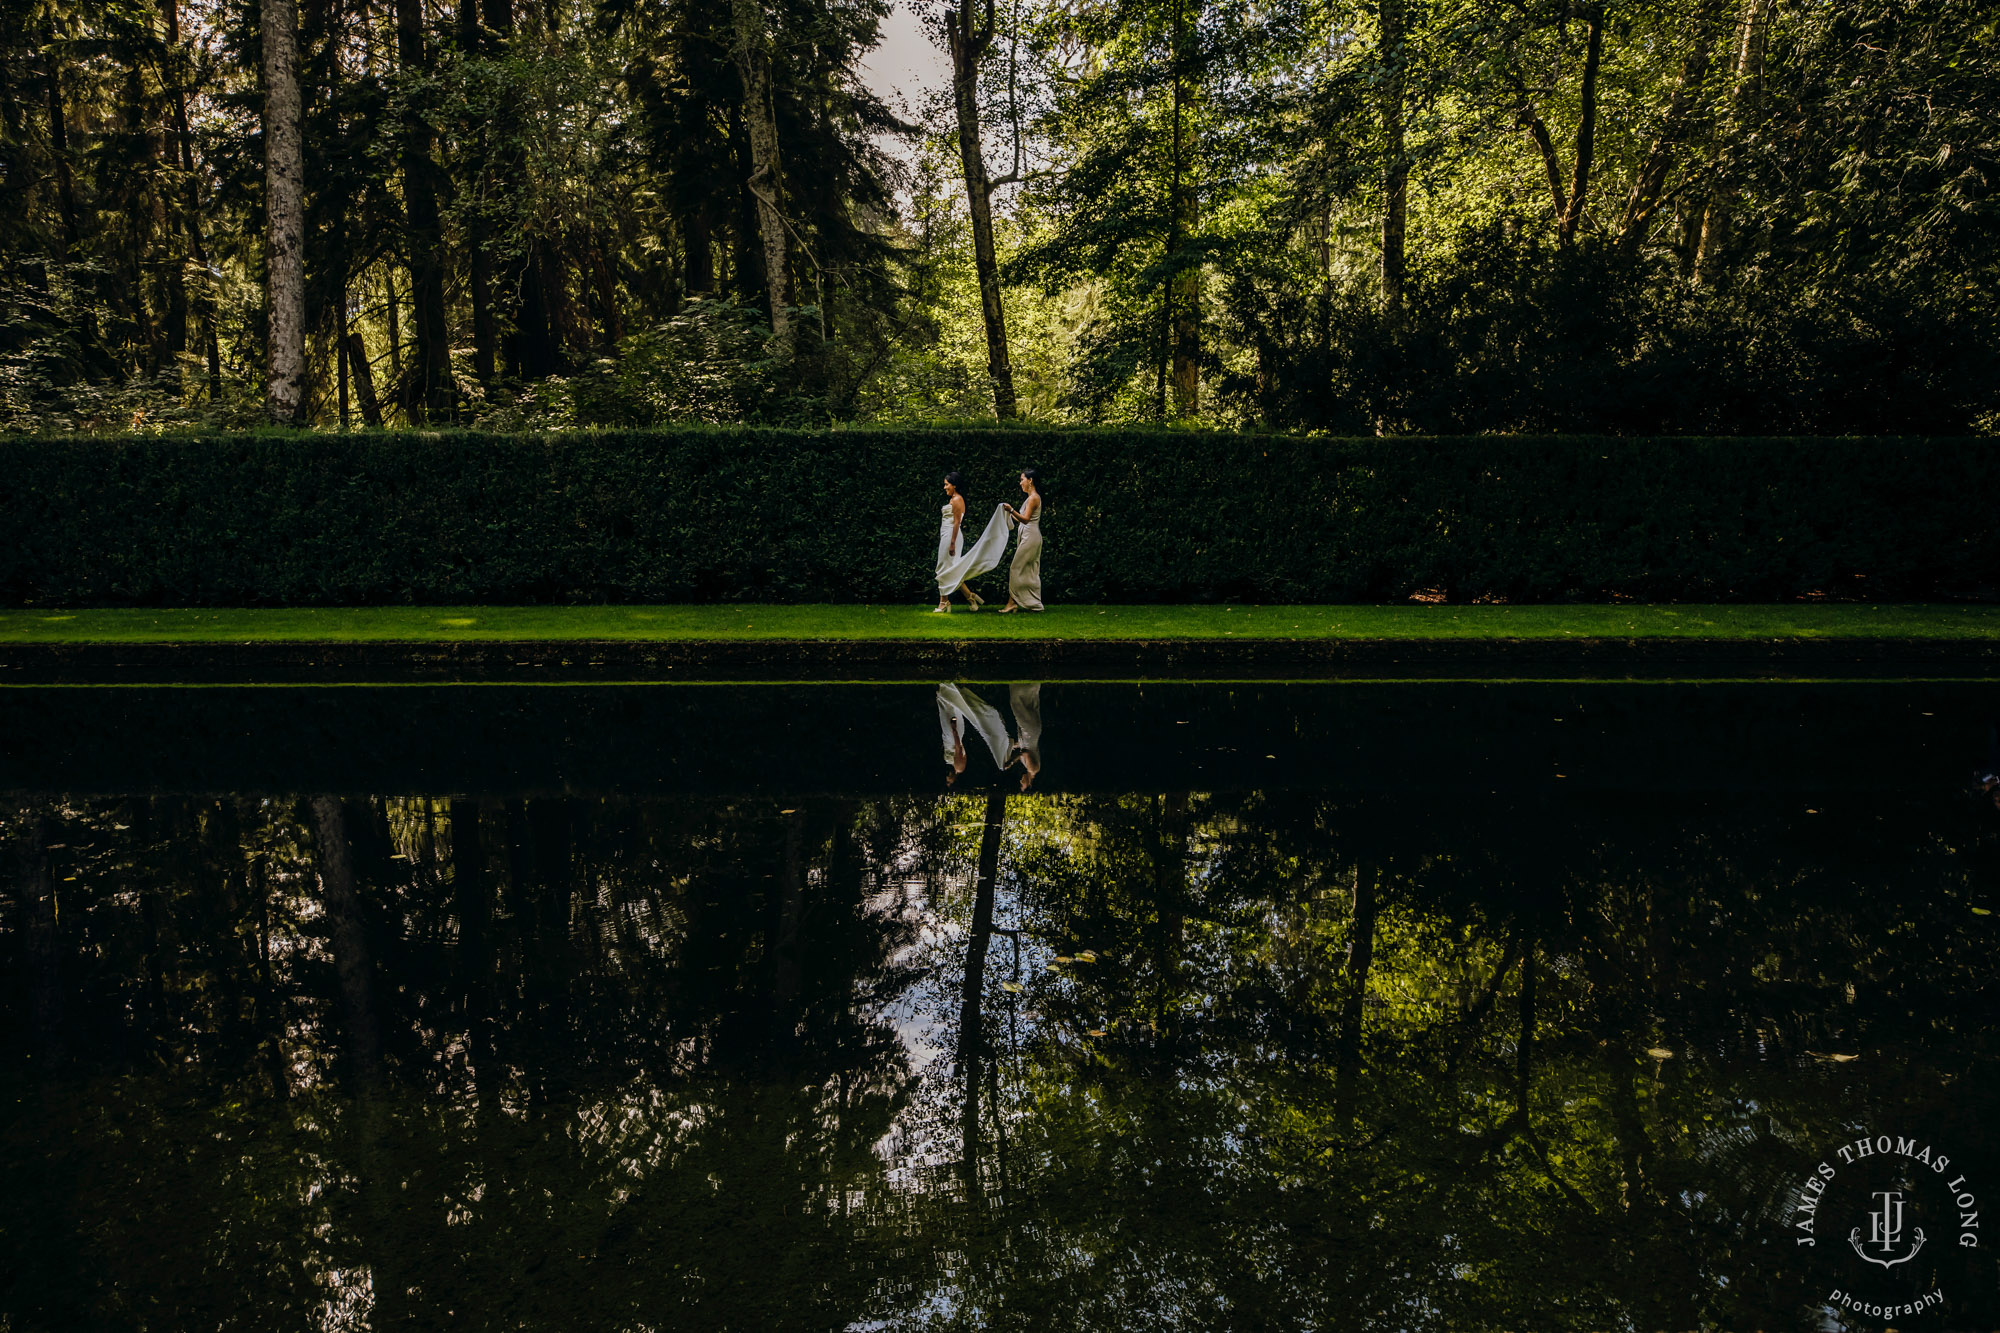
1024 576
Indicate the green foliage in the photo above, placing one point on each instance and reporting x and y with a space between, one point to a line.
1510 334
795 516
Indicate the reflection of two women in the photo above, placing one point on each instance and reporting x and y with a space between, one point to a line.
961 711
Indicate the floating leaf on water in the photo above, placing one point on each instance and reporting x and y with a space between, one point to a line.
1087 956
1982 911
1097 1032
1064 958
1842 1059
792 811
1011 986
1659 1053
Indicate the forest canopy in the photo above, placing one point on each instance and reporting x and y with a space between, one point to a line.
1434 216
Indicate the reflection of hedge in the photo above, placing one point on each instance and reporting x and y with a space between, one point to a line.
850 516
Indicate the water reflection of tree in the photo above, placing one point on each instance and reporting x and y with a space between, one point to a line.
1368 1069
558 1063
582 1063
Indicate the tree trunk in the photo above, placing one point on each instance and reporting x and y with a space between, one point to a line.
1714 234
1551 167
1681 119
698 243
1184 213
765 183
347 940
432 394
971 1037
473 895
35 893
485 329
783 941
1396 165
969 42
1354 1000
1586 132
1524 1045
611 319
59 151
548 824
284 207
364 379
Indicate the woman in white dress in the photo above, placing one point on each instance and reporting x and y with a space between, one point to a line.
1024 576
959 562
951 537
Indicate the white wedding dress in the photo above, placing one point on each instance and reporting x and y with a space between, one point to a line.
976 559
950 543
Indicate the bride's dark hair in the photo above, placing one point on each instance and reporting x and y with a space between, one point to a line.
957 482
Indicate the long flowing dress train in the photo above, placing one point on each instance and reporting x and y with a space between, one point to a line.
957 707
981 556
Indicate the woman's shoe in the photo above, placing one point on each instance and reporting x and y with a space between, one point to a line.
1009 609
941 609
974 598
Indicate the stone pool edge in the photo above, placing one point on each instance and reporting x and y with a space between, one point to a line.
866 659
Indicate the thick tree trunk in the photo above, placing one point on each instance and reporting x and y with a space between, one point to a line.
970 39
431 391
285 216
971 1036
760 122
1395 158
1586 132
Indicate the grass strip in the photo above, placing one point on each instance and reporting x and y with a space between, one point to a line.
448 624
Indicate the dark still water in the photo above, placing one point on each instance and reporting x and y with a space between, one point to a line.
1411 1005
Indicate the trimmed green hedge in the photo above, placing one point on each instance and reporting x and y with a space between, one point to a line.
850 516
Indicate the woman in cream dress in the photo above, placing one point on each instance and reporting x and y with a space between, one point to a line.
1024 576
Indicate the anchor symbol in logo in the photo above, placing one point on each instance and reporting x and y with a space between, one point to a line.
1885 1229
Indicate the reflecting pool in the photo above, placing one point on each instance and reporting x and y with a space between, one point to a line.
941 1005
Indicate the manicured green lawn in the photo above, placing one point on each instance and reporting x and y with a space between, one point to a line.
519 623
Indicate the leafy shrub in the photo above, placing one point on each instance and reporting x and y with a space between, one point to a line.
769 515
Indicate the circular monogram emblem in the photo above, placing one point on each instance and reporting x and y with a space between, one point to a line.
1882 1221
